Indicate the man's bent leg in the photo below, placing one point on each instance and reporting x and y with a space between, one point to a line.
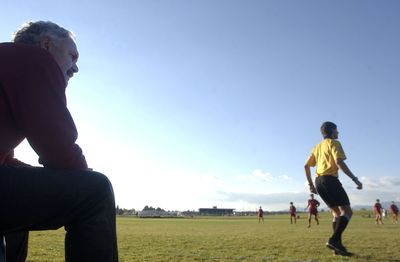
92 236
42 198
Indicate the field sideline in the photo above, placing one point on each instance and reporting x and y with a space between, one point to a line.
234 239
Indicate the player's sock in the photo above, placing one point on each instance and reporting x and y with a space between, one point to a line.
334 225
340 227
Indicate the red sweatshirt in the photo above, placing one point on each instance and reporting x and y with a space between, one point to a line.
33 106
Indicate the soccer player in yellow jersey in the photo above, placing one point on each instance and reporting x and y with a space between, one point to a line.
328 156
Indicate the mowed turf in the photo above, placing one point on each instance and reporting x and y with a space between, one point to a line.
235 239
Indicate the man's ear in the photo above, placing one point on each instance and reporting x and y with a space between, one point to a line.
46 43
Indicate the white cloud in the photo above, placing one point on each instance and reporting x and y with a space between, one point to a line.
384 183
285 177
270 201
261 175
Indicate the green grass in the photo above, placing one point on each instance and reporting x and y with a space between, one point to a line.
234 239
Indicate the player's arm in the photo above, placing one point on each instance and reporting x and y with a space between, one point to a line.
307 168
342 165
308 204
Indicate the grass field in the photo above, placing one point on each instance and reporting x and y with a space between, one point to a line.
234 239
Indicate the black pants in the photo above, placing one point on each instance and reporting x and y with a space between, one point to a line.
43 199
331 191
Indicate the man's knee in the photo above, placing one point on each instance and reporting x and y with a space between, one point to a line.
346 211
104 185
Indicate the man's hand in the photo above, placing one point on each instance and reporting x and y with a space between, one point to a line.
358 183
312 189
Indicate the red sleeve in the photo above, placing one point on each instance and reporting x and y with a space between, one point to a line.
38 104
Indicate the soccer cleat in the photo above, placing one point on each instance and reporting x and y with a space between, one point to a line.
337 247
347 254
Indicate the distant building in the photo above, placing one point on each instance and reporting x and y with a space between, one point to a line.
216 211
156 214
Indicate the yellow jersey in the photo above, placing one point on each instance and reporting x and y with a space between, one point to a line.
324 156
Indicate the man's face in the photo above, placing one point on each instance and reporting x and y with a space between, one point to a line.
66 55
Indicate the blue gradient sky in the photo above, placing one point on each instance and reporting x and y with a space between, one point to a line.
188 104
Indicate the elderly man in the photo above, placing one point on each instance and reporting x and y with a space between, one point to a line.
34 72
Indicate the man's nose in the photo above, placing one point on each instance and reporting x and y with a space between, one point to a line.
75 68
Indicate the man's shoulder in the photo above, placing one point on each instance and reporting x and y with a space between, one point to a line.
27 51
17 58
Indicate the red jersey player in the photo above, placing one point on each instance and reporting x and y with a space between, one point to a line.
312 209
378 212
292 210
260 215
395 212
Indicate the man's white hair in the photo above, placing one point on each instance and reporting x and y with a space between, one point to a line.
33 32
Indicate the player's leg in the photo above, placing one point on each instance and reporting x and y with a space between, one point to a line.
331 191
340 225
316 218
335 217
309 219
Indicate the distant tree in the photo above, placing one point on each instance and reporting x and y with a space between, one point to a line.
147 208
150 208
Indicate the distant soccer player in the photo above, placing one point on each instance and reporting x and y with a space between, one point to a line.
312 206
260 215
378 212
395 212
328 156
292 210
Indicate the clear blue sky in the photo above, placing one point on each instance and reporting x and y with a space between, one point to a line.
188 104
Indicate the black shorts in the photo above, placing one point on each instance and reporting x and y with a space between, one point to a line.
331 191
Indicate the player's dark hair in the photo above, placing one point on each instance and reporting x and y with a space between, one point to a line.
327 129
